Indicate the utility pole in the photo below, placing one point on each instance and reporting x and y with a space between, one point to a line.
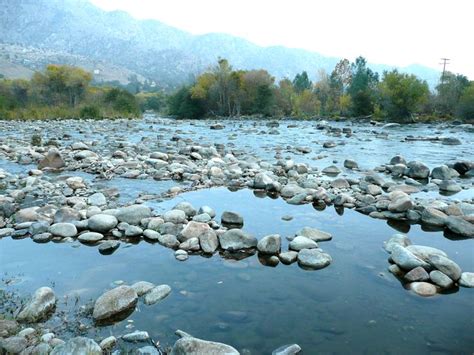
444 63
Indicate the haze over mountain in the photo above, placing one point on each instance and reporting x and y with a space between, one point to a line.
79 33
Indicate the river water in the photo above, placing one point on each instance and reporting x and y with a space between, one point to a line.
353 306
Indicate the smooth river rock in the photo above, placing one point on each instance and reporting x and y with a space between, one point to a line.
78 346
114 302
102 223
39 306
236 239
313 258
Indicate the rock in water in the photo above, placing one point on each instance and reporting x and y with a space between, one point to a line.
313 258
270 244
232 219
235 239
424 289
114 302
41 304
102 223
78 346
292 349
314 234
133 214
157 294
189 345
52 160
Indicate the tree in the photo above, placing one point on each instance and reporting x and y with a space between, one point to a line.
62 84
402 94
123 101
284 97
183 105
449 92
465 108
301 82
257 94
362 88
306 104
322 90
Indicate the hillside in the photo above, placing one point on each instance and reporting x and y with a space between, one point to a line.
150 48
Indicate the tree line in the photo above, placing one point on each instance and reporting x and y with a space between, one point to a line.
350 90
62 91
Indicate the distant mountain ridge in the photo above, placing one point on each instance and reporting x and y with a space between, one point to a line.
156 51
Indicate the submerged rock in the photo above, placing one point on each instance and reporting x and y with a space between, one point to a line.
157 294
292 349
78 346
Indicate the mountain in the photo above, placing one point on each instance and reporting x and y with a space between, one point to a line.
76 30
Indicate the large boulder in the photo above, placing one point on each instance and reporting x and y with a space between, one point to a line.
433 217
102 223
42 303
460 226
236 239
78 346
406 259
194 230
115 302
133 214
52 160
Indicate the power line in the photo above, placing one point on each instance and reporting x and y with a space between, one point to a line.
444 63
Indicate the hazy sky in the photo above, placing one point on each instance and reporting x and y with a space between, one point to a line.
400 32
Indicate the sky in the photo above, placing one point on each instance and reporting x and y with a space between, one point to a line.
400 32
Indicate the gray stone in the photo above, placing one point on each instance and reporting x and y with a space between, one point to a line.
170 228
417 170
13 345
467 279
108 343
151 234
449 186
8 327
331 170
396 239
313 258
114 302
175 216
300 242
314 234
66 215
52 160
157 294
401 204
97 199
102 223
193 230
78 346
350 164
236 239
168 240
6 232
232 218
181 255
209 241
190 245
290 190
142 287
406 259
147 350
63 230
433 217
187 208
42 303
90 237
288 257
208 210
133 214
440 279
261 181
109 246
424 252
292 349
446 266
133 231
460 226
137 335
424 289
270 244
442 173
398 159
188 345
417 274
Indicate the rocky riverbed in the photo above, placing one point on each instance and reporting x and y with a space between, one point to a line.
87 209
